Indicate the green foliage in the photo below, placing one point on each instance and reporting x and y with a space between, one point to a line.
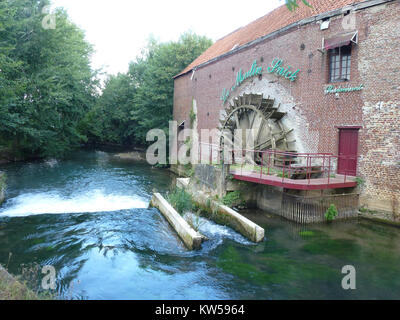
110 121
180 200
331 213
189 170
292 4
360 181
46 82
155 70
192 116
21 287
306 233
280 174
194 220
367 211
232 198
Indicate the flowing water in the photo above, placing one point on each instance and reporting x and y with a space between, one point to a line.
88 217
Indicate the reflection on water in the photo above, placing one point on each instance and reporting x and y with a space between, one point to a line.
88 217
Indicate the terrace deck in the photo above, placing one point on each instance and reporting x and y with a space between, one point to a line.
337 182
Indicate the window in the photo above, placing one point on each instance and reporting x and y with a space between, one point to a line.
340 64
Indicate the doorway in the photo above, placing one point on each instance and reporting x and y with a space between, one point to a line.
348 151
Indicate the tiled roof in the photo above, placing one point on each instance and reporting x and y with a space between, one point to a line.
273 21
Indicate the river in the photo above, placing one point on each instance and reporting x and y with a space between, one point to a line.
88 217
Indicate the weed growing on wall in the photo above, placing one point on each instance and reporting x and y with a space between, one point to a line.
360 181
232 198
192 116
331 213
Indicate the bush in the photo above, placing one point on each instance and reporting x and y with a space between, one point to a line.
232 198
331 213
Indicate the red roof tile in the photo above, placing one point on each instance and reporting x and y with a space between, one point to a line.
271 22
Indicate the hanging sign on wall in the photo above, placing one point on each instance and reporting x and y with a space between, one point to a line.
255 70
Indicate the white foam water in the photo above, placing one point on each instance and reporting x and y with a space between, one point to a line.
53 203
212 229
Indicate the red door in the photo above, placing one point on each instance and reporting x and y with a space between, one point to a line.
348 148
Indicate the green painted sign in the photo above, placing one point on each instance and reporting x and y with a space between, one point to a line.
255 70
277 68
240 77
333 89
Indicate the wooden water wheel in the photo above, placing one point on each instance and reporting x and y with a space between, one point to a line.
252 111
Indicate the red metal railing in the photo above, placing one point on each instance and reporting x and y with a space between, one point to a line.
287 165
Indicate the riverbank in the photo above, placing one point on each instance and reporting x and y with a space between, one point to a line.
11 289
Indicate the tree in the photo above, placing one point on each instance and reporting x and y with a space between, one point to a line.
110 121
46 83
154 73
292 4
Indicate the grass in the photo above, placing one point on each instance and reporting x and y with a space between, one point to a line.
194 220
232 198
180 200
14 288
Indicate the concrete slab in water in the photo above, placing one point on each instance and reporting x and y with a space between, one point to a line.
189 236
225 214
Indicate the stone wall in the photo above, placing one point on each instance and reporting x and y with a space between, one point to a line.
379 67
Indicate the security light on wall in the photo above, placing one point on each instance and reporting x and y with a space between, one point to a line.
325 24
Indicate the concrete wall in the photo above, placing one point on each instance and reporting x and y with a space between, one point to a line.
189 236
314 115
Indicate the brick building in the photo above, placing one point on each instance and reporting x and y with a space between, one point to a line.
334 71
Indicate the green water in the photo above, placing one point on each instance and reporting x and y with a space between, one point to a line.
87 216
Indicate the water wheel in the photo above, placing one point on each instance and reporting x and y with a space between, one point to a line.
259 114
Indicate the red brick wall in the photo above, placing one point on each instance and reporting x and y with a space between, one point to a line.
379 67
322 113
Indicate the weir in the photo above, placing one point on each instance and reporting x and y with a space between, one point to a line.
189 236
223 214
